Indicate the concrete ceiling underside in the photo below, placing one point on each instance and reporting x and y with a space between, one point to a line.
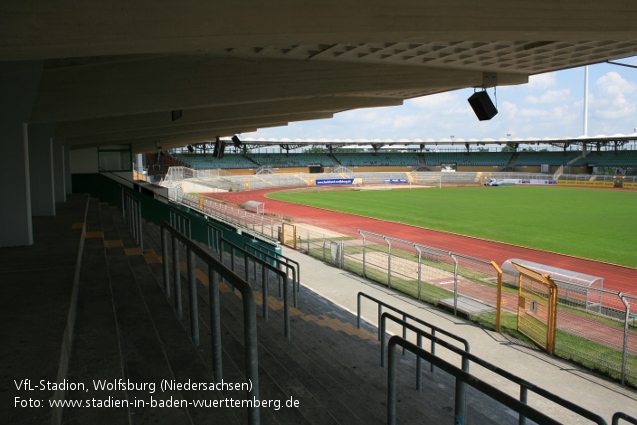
113 72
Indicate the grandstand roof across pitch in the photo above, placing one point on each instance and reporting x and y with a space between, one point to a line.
184 72
620 138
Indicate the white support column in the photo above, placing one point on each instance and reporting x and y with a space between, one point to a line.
140 163
59 170
18 85
41 169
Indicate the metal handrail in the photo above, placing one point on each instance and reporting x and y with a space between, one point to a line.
214 234
460 375
280 273
261 254
181 222
525 386
288 261
132 212
461 388
265 280
433 328
288 267
621 415
215 269
420 333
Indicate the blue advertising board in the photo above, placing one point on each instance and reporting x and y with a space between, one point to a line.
334 181
396 181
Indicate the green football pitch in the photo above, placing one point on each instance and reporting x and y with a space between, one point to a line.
590 223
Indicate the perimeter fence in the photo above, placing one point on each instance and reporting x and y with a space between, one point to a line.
604 340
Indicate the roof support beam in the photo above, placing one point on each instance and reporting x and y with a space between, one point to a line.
176 130
214 114
182 82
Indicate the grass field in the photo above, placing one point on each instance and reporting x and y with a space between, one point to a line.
589 223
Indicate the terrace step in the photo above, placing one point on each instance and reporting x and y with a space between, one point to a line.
140 341
95 352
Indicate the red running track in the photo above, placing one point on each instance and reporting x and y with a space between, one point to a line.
616 278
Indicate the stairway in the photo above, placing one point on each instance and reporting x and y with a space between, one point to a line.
513 159
252 161
421 159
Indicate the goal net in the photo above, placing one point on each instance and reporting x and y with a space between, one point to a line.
426 180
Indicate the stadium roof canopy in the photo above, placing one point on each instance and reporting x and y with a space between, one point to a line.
618 139
161 75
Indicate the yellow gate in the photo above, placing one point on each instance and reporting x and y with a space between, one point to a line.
537 307
288 235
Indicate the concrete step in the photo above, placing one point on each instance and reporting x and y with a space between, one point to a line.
280 380
184 360
95 352
144 358
322 381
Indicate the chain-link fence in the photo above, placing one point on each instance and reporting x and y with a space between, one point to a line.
606 342
603 339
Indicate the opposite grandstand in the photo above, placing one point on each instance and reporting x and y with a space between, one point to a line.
314 159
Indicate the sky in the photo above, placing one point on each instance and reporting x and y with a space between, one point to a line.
549 105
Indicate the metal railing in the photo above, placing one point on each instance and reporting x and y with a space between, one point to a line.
621 415
406 316
460 394
132 212
403 261
287 260
461 376
180 222
467 357
279 265
281 261
214 235
216 269
524 411
265 265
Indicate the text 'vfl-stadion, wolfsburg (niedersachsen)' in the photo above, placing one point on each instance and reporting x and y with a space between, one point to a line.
154 271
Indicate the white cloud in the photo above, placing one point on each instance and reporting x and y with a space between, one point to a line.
407 121
542 81
616 98
551 96
613 83
508 109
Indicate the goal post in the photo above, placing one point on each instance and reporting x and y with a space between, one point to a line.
426 180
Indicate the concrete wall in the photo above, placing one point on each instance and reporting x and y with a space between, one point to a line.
192 187
84 161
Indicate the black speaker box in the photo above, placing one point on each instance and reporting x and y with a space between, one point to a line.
220 147
482 106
